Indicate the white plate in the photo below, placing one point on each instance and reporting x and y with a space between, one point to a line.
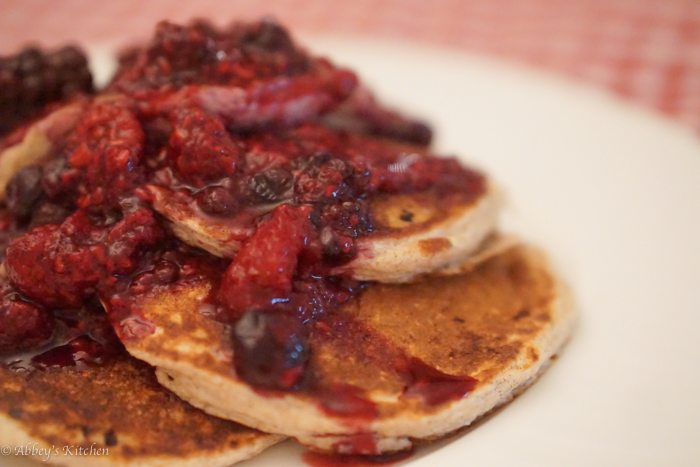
612 191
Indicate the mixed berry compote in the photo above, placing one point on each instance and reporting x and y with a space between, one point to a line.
229 123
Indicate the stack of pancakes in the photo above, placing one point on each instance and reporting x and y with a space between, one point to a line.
455 320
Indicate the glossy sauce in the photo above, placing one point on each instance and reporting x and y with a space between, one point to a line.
433 386
299 198
316 459
80 337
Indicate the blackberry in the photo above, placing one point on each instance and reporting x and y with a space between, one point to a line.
271 185
268 35
322 176
34 78
184 48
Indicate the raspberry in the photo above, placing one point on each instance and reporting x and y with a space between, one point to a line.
201 146
200 53
107 149
23 325
262 271
41 264
61 265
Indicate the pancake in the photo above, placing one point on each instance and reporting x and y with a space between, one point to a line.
420 234
397 364
119 415
417 234
424 213
286 256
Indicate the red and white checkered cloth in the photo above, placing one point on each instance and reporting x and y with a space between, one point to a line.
647 50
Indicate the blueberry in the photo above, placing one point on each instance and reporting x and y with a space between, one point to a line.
23 190
217 201
166 272
270 349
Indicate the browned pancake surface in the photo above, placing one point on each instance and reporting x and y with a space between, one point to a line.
118 405
467 324
473 324
395 216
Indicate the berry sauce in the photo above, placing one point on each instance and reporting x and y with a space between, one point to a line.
34 337
81 231
200 53
317 459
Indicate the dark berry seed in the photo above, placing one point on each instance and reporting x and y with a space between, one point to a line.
23 190
217 201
